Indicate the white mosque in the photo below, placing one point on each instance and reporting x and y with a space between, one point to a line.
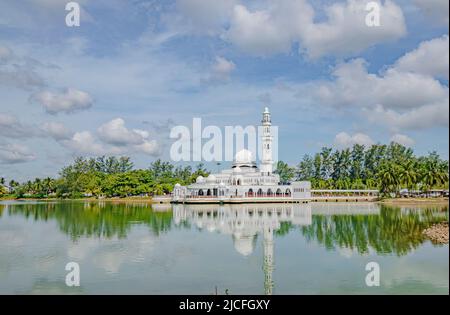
245 182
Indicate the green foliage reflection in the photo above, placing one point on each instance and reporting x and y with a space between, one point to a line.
392 231
94 219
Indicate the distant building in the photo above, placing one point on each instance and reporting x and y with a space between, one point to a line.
245 181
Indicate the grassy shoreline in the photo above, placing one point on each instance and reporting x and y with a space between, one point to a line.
90 199
390 201
406 201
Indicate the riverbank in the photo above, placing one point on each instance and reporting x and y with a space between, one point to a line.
414 201
437 233
89 199
388 201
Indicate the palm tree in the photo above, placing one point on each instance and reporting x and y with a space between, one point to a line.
388 177
371 183
408 174
48 185
432 175
37 186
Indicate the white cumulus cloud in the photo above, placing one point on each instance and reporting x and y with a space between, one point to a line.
12 153
407 95
112 137
403 140
354 85
68 101
114 132
430 58
11 127
345 140
222 69
84 142
275 28
263 32
423 117
346 32
56 130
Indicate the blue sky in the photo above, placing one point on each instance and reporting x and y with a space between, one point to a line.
133 69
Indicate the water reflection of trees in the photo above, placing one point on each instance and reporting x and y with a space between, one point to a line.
96 219
390 230
393 230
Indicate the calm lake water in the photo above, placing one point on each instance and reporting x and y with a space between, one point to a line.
245 249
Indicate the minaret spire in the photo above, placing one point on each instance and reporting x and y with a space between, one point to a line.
266 160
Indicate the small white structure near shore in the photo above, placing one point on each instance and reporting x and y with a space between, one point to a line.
245 182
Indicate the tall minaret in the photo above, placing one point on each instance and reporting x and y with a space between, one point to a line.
266 160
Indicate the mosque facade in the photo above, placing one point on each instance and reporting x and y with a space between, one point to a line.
245 181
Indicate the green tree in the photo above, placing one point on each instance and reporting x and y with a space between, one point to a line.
305 169
285 172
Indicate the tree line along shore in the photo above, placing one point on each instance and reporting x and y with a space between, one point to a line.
388 168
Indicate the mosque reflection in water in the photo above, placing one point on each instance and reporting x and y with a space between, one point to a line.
243 223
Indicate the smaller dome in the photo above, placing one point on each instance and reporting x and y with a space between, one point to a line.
200 180
177 185
211 179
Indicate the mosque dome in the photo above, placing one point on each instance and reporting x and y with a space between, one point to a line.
177 185
211 179
243 157
200 180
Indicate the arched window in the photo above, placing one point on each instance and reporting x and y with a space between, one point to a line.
260 192
250 192
269 192
288 192
208 193
279 193
200 192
